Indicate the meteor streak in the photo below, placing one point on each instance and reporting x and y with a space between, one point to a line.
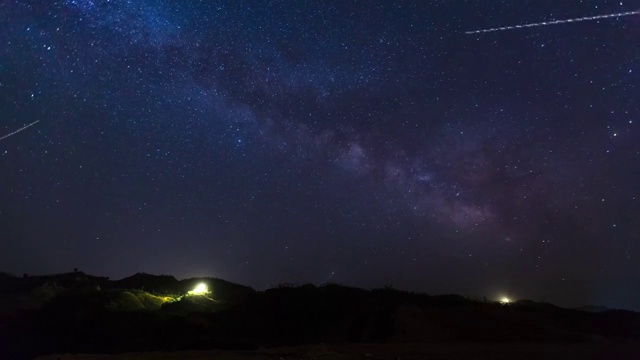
17 131
554 22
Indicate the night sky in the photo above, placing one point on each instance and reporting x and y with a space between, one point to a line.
361 143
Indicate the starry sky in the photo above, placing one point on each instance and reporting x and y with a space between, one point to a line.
354 142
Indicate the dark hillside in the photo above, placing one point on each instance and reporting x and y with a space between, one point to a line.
76 312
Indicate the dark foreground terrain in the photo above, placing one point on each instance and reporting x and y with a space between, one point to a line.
391 352
154 317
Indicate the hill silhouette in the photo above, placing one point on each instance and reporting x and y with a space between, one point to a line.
80 313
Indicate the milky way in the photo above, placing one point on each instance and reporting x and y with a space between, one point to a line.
325 142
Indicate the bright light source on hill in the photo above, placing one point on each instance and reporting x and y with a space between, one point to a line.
201 289
505 300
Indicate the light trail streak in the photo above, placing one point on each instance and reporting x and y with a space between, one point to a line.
554 22
21 129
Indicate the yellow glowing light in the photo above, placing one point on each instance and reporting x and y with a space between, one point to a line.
505 300
201 289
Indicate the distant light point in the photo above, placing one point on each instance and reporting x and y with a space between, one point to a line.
200 289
